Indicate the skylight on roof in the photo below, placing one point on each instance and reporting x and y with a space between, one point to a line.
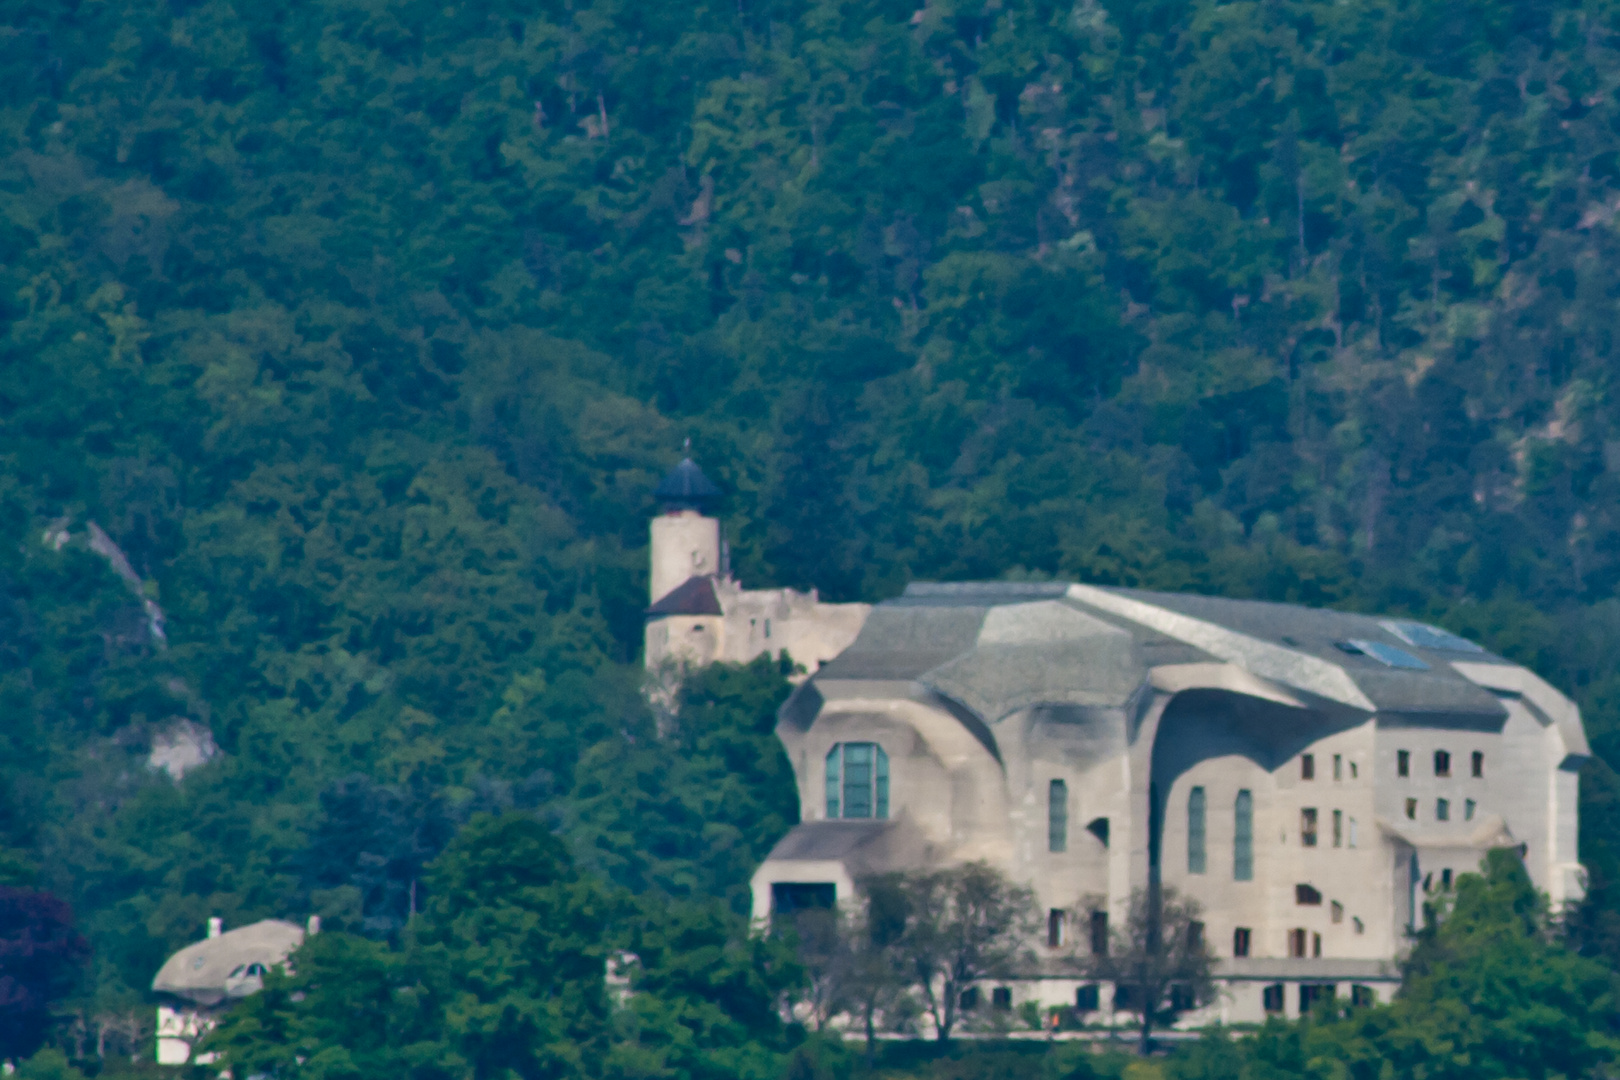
1384 654
1425 636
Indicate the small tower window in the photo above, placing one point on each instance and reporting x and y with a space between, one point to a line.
857 781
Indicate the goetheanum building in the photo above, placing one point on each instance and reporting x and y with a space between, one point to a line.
1308 776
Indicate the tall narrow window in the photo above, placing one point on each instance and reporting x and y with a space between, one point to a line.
1352 842
1403 763
1442 763
1479 763
1307 766
857 781
1468 809
1055 926
1338 828
1240 941
1099 933
1296 942
1338 766
1195 831
1243 837
1442 809
1307 826
1057 816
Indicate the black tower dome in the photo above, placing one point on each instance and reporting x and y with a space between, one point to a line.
685 488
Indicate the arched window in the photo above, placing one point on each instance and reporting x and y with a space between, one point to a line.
1243 837
1057 816
1195 831
857 781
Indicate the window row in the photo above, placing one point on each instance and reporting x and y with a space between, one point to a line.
1442 763
1242 834
1442 809
1307 767
1345 829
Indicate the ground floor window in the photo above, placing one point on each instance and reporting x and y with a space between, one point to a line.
1087 998
1311 993
1272 998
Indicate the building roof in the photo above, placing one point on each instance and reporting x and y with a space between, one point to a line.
694 596
685 488
216 968
998 647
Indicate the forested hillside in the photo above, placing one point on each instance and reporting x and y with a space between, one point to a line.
364 331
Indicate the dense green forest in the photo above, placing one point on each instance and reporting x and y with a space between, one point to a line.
343 342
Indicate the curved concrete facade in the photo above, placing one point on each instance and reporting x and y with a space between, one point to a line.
1076 737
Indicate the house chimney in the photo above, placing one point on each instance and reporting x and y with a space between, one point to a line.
216 926
314 926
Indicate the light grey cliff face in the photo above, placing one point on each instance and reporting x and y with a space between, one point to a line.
1304 774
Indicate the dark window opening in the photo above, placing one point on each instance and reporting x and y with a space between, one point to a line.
1307 766
1442 763
969 1000
1099 829
1124 997
1001 998
1411 809
1403 763
1272 998
1243 837
1240 941
1055 920
1442 810
1099 933
1311 993
1316 946
1087 998
1479 763
1307 894
1196 861
1361 996
1307 826
1296 944
790 896
1445 878
1181 998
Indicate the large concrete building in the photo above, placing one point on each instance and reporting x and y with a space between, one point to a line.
1307 776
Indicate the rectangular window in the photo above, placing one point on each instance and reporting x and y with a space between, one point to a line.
1055 920
1057 816
1311 993
1445 878
1338 766
1307 826
1336 910
1479 763
1411 809
1001 998
1296 944
1307 895
1442 763
1353 770
1468 809
857 781
767 628
1442 810
1195 831
1099 933
1307 766
1086 998
835 784
1272 998
1240 941
1361 996
1352 841
1338 828
1403 763
1243 837
1316 946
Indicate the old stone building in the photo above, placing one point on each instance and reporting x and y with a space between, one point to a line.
1308 776
700 613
